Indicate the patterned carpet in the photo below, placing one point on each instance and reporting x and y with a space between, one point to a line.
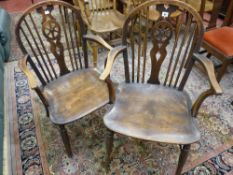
39 148
36 146
15 53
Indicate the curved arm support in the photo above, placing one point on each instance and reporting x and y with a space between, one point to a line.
110 60
199 101
98 39
215 87
32 81
209 68
23 66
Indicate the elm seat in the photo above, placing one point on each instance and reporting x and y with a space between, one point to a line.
75 95
139 112
221 39
112 20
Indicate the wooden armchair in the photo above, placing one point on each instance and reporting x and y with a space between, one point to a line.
151 104
101 17
219 42
57 66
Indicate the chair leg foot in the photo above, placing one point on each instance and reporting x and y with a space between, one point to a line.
66 140
109 146
183 156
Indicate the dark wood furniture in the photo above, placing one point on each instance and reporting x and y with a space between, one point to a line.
151 104
211 6
224 7
217 4
219 42
101 17
56 63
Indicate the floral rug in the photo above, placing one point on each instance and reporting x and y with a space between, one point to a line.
36 147
39 149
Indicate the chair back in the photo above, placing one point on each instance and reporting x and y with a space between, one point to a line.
94 7
48 32
160 49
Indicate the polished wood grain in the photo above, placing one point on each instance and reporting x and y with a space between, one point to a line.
57 66
152 104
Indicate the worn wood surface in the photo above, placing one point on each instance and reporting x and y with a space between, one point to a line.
68 88
152 105
152 112
74 95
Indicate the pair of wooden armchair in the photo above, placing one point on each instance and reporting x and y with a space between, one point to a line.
158 57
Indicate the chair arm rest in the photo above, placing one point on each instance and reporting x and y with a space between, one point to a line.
209 68
113 53
98 39
23 66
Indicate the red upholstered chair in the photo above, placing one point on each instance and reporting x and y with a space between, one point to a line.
219 43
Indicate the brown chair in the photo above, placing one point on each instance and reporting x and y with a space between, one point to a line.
211 6
67 84
151 104
101 17
219 43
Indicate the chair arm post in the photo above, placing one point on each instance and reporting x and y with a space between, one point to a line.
114 52
199 100
209 68
215 87
31 80
23 66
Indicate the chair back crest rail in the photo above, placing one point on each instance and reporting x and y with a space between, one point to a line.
162 45
48 33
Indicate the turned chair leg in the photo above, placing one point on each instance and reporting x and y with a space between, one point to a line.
183 156
109 145
66 140
222 70
94 54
